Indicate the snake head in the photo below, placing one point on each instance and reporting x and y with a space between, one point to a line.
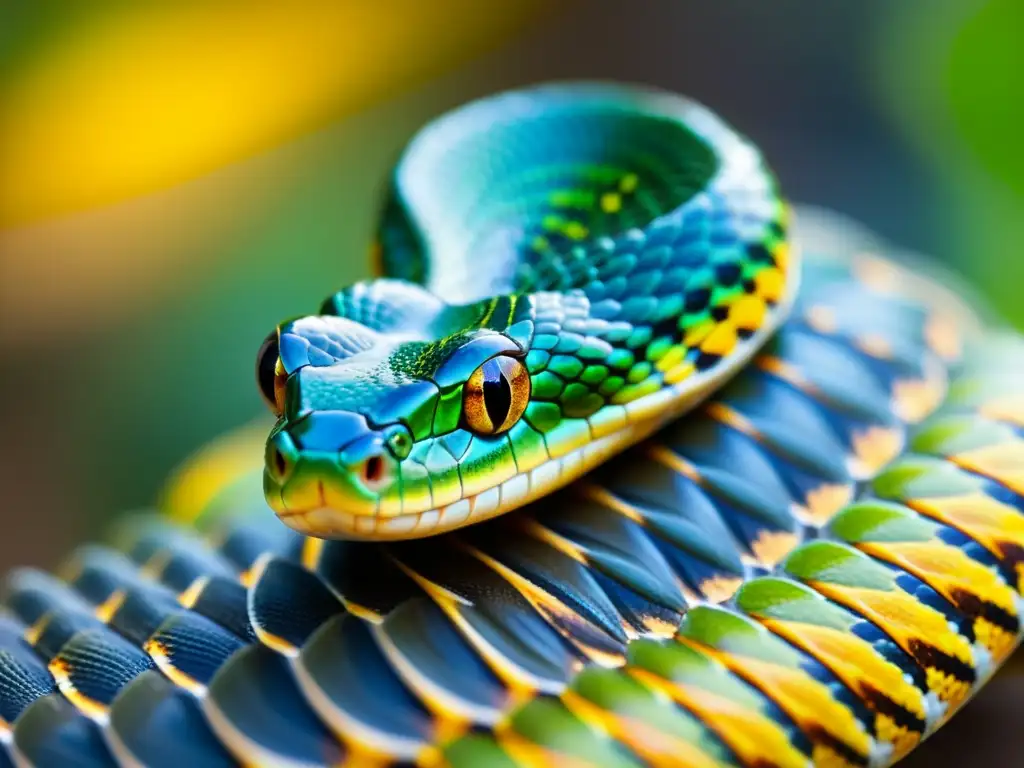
393 421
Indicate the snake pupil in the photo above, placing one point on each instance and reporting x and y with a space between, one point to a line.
496 395
497 392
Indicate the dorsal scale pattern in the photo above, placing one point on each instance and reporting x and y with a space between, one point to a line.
817 568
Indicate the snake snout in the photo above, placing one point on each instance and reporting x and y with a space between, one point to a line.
333 465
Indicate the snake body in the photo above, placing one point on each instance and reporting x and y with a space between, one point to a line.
818 565
613 254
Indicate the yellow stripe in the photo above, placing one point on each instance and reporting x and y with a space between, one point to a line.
806 700
994 525
914 399
913 626
1008 408
857 664
1003 463
954 575
755 738
650 743
875 447
89 707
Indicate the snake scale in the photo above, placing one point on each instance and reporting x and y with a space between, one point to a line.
801 543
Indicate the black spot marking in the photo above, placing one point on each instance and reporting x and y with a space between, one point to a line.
1013 556
718 314
930 656
975 607
697 300
705 360
728 274
882 704
819 735
760 254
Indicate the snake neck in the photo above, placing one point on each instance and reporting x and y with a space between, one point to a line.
643 239
503 195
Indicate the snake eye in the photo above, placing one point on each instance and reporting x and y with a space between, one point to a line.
270 374
496 395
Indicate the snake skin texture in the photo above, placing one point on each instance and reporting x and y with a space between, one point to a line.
817 567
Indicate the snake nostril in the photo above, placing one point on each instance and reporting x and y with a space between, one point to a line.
280 462
369 463
373 470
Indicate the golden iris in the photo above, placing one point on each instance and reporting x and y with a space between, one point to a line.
496 395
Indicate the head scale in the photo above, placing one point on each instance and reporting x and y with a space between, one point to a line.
392 407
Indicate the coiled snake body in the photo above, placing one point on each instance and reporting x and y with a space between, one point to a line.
817 564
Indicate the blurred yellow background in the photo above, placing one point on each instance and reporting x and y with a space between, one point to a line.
176 177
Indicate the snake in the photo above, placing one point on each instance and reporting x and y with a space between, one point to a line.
569 269
623 460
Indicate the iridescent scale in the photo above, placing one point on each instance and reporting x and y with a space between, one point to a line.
818 567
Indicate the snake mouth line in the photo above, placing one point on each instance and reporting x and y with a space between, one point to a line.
524 487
